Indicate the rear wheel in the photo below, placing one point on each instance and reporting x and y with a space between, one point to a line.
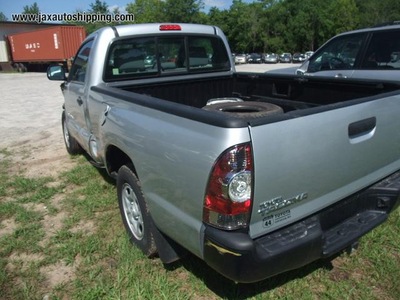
134 211
71 144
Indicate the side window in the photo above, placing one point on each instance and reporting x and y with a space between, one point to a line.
339 54
383 51
79 66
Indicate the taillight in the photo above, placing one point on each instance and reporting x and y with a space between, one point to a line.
228 199
168 27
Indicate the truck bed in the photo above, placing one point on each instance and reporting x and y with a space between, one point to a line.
293 94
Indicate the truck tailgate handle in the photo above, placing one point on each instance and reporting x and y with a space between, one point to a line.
362 130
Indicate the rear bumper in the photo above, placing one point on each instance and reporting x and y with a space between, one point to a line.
242 259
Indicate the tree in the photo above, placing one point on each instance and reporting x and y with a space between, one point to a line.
147 11
99 8
309 24
298 26
32 9
184 11
3 16
279 16
237 26
256 29
372 12
345 16
219 18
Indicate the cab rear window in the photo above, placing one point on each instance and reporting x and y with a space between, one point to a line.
141 57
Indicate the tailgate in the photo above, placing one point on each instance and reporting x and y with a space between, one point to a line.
308 163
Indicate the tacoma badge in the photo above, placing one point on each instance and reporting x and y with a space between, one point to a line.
279 202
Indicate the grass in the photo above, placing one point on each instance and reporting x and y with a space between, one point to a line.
62 238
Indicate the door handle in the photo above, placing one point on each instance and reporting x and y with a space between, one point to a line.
362 130
104 116
79 100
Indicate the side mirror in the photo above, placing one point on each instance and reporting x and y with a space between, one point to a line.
56 72
303 68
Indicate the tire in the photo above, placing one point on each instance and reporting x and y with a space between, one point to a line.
71 144
247 109
134 211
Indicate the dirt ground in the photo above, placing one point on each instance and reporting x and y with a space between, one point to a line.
30 122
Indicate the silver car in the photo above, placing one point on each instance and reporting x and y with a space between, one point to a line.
271 58
370 53
240 59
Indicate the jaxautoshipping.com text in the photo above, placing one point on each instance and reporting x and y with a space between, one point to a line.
75 17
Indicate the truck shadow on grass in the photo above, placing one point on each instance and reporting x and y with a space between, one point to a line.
227 289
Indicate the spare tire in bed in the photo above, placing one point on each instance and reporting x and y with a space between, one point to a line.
246 109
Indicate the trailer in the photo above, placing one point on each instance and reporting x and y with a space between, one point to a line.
35 50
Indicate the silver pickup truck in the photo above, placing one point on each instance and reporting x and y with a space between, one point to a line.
254 173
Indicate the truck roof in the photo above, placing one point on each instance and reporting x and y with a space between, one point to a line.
151 28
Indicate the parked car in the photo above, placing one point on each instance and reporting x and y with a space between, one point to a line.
240 59
285 58
271 58
369 53
150 60
255 58
298 58
308 54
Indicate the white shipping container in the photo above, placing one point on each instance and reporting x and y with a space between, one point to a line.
3 52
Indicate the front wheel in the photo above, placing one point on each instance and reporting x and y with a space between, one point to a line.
71 144
134 211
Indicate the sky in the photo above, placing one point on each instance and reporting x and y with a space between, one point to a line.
8 7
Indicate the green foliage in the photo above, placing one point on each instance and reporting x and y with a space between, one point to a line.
99 7
177 11
3 16
297 25
31 9
372 12
147 11
183 11
96 8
